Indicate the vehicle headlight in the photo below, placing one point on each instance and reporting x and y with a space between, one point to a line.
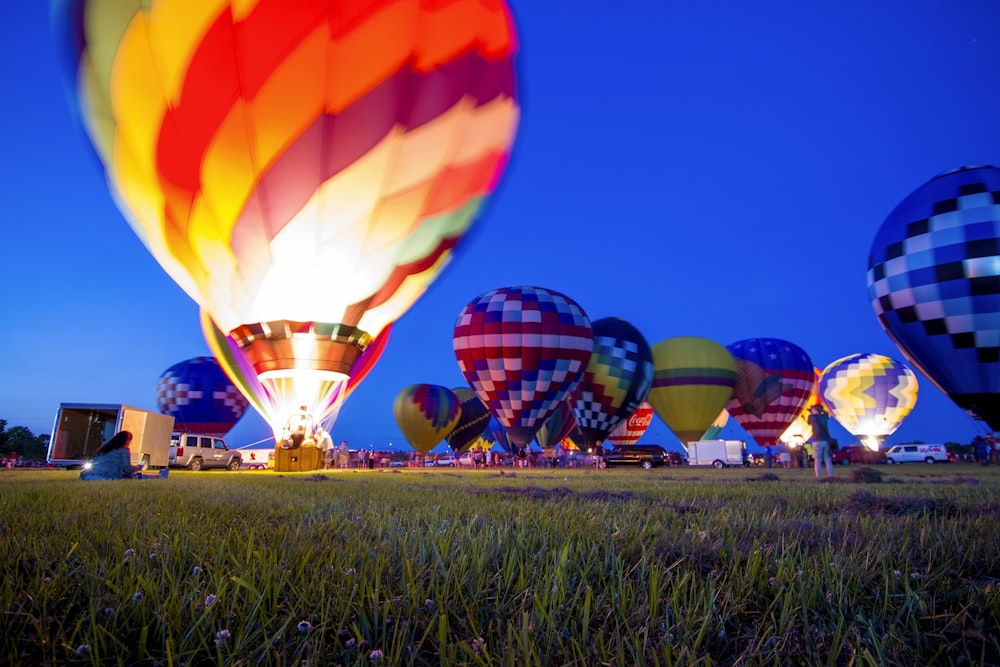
88 465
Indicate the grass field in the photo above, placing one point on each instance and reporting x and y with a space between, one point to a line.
677 566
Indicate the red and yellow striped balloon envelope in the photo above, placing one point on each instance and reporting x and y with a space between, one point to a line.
302 168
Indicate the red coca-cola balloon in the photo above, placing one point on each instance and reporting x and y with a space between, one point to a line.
630 430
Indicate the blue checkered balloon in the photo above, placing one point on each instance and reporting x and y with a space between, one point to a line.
200 397
934 282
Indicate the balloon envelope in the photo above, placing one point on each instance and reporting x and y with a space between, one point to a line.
471 424
426 413
869 394
633 427
617 378
557 427
934 282
693 379
774 381
716 427
522 350
799 431
199 396
303 170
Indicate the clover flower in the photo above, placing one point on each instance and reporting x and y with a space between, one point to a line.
221 636
129 552
210 599
375 655
138 595
82 649
304 626
196 570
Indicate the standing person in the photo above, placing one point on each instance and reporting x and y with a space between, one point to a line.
820 420
114 460
785 457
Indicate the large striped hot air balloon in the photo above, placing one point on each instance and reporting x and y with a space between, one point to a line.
774 382
693 379
934 282
869 394
303 169
522 350
426 413
618 378
799 431
199 396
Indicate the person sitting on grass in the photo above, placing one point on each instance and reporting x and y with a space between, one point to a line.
114 461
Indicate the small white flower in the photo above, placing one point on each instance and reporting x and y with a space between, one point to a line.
914 575
799 573
898 574
350 571
429 603
138 595
83 648
109 611
210 599
196 570
702 535
304 626
129 552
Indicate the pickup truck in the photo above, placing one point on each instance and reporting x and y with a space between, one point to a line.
196 451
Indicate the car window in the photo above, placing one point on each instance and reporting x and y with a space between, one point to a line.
910 449
218 444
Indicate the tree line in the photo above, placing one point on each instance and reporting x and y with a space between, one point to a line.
21 440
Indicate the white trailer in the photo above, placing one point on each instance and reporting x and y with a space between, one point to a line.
81 428
717 453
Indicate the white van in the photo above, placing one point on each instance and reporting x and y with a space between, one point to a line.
717 453
917 454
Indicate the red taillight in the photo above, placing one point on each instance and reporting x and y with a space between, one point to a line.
180 451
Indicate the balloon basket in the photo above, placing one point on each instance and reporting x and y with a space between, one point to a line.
298 459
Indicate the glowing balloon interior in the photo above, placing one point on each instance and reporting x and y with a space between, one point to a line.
303 170
869 394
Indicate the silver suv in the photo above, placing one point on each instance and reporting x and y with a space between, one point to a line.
195 451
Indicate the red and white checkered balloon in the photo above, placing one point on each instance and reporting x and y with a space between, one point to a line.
522 350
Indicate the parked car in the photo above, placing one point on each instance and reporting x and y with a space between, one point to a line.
918 453
857 454
446 461
645 456
195 451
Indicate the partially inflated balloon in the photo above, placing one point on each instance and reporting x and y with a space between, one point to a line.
558 427
426 413
774 381
499 435
869 394
799 431
522 350
303 169
630 429
934 282
693 379
715 429
618 378
199 396
471 424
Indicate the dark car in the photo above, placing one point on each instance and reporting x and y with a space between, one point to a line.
647 456
858 455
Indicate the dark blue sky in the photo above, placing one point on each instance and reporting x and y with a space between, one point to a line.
713 169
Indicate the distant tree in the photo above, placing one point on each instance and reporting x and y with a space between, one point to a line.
21 440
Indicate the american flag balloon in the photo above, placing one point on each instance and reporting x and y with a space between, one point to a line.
522 350
774 381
